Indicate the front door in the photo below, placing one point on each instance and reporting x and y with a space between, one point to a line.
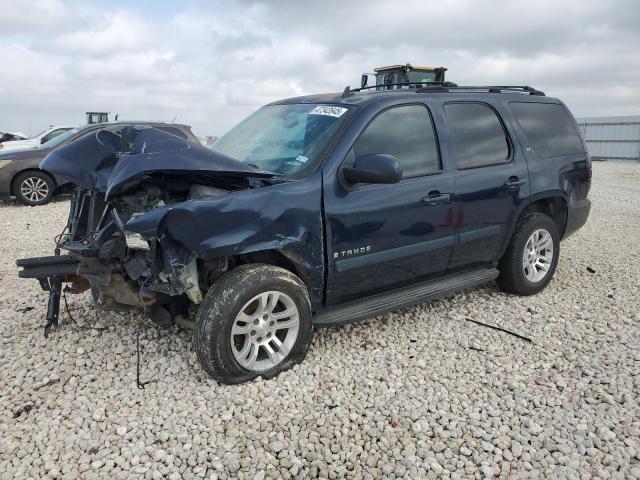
382 237
491 182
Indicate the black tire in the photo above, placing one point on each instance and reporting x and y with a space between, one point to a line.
225 300
36 178
512 276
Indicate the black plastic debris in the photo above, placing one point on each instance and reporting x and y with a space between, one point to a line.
495 327
26 408
590 270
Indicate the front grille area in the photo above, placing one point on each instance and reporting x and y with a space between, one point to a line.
88 213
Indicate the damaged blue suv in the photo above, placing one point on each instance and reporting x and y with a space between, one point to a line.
317 211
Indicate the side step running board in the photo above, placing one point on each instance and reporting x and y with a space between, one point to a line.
388 301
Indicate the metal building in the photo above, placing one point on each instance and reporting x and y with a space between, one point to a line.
612 138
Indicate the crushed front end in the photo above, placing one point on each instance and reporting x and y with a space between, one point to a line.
119 177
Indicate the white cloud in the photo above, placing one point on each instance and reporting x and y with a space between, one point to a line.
212 63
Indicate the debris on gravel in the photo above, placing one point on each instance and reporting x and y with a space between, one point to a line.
417 393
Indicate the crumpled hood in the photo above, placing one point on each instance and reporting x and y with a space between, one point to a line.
108 162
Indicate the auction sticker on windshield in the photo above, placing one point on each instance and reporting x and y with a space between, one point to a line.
329 110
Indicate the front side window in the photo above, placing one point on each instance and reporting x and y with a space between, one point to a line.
406 133
478 138
548 127
286 139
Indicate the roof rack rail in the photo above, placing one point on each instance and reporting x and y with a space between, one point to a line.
496 89
436 87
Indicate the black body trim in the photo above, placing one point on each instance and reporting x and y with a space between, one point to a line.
471 235
342 265
345 264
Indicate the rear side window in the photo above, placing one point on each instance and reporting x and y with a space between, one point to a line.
548 128
406 133
477 136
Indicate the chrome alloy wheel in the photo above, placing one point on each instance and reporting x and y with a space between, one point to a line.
265 331
537 255
34 189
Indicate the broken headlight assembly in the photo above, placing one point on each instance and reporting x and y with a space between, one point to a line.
135 241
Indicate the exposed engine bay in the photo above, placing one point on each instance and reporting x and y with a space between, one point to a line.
122 269
122 177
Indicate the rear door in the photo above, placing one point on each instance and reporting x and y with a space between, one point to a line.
382 237
491 182
558 162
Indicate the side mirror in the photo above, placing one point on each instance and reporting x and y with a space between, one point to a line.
43 140
364 79
374 168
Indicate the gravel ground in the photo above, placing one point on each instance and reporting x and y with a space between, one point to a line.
420 393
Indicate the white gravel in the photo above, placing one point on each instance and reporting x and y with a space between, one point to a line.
419 393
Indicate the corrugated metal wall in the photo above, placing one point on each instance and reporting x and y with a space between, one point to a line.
612 138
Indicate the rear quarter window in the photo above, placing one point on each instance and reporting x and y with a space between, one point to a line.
548 128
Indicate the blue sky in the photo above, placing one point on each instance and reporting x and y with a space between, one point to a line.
210 63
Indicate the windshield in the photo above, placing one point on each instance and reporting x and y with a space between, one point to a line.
284 139
40 133
55 141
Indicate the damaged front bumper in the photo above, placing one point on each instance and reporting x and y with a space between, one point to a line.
51 272
120 175
122 273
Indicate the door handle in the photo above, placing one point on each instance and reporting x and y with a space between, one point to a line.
514 183
436 198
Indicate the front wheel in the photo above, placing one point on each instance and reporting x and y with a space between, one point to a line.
254 321
532 256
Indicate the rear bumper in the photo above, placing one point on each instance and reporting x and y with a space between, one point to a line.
577 216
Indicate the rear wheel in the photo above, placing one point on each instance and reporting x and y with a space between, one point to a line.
255 321
33 188
531 259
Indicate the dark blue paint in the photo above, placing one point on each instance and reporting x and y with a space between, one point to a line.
357 240
284 217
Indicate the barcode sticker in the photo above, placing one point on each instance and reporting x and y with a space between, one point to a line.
329 110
